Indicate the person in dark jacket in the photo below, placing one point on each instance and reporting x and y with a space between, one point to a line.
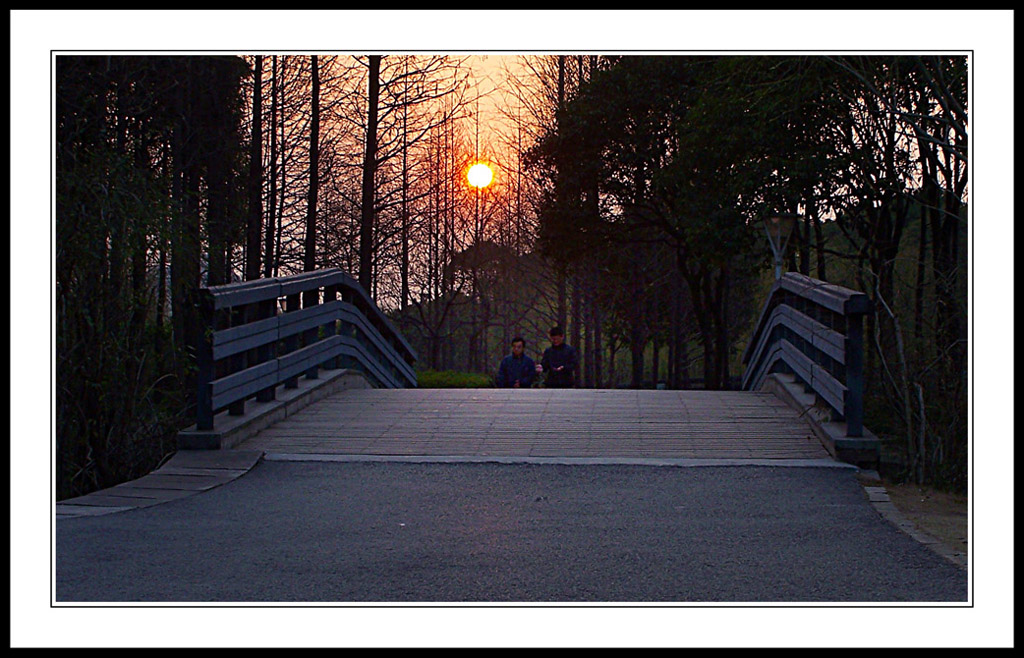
516 369
559 361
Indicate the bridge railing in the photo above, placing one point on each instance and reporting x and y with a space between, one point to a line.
263 333
814 331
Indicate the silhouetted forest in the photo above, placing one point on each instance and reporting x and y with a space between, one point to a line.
626 206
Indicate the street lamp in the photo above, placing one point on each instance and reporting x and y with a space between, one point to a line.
779 226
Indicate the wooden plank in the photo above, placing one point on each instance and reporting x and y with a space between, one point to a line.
822 381
352 347
368 307
759 356
825 340
439 422
307 318
244 383
351 314
829 295
305 281
234 340
245 292
300 360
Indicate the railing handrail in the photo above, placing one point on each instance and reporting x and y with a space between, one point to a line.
799 327
247 350
257 290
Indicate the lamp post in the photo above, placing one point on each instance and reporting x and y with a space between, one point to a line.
779 226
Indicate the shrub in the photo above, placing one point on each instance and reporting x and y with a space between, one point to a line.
453 379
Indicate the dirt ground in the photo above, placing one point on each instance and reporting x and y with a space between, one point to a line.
937 513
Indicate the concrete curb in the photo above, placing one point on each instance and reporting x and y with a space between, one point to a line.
879 499
570 461
187 473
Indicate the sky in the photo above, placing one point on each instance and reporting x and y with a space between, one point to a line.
35 34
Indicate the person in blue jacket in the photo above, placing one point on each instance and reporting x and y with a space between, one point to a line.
516 369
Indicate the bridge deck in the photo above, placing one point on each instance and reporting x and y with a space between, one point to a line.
545 423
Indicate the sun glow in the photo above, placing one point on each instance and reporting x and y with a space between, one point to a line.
480 175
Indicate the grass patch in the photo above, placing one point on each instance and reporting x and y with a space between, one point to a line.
453 379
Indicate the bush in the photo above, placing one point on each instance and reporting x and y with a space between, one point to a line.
453 379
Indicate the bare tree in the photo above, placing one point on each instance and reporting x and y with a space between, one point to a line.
309 259
255 218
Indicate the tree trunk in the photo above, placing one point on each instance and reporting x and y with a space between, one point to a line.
588 330
178 250
559 192
216 143
577 320
611 362
278 203
252 242
805 241
309 259
138 241
636 324
562 301
598 345
819 240
684 365
721 300
404 266
268 244
655 356
922 247
636 349
161 292
366 227
705 312
676 331
185 260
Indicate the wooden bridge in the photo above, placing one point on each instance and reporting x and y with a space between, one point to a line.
307 367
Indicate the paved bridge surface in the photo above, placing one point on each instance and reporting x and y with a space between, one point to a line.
589 523
545 423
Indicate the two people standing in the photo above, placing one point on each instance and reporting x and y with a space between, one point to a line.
559 362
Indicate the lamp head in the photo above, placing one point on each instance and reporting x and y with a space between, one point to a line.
779 227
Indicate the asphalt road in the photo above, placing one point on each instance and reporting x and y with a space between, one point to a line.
463 533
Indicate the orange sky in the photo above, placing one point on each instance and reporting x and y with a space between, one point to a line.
488 71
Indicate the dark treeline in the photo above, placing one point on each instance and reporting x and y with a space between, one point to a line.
175 172
148 152
660 171
626 206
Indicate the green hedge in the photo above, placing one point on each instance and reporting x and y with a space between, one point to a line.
453 379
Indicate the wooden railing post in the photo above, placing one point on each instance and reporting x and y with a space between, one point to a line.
239 315
204 363
310 299
855 374
268 351
244 349
815 330
331 329
291 343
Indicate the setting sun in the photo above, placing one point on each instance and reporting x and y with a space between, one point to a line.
480 175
